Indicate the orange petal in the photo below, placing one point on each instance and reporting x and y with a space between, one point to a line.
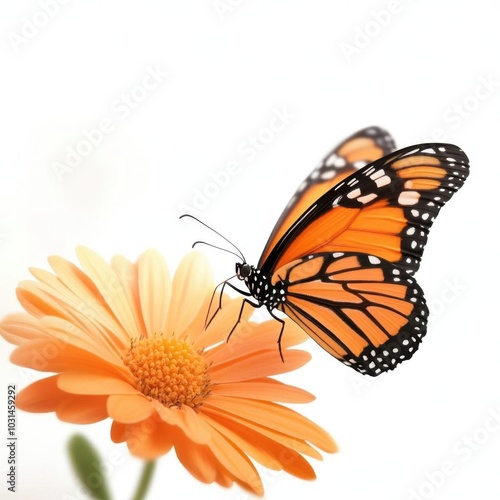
82 409
193 426
62 331
296 444
20 328
187 420
252 446
54 355
40 300
129 408
149 439
41 396
84 300
251 337
70 286
128 274
269 453
94 384
260 364
72 277
276 417
110 288
198 460
154 291
222 323
236 462
265 389
193 282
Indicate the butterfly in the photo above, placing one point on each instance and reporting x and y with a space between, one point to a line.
341 258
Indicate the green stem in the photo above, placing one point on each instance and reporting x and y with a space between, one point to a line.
143 486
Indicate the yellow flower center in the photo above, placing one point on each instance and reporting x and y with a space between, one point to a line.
169 370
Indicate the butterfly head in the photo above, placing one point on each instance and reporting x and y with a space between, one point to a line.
243 270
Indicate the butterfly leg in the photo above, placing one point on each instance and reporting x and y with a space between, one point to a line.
281 332
245 301
219 307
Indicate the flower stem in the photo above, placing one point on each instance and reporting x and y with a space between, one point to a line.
143 486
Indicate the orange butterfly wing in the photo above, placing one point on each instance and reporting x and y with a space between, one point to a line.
359 308
355 152
385 209
340 264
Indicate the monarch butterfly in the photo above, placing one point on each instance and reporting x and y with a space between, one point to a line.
341 258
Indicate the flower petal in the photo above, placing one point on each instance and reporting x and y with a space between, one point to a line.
20 328
187 420
88 383
128 274
155 290
294 443
78 297
276 417
53 355
265 389
193 280
251 337
198 460
41 300
129 408
82 410
236 462
223 322
263 363
41 396
267 452
149 439
61 331
109 287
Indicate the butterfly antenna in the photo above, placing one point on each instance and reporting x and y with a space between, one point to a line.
239 255
215 246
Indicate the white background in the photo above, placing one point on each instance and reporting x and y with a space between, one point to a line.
419 72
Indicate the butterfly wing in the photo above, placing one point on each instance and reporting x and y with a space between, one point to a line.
385 209
361 309
355 152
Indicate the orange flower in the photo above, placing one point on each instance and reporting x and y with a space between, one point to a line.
129 343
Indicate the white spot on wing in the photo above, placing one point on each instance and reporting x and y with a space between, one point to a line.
328 174
367 198
408 198
383 181
354 193
377 174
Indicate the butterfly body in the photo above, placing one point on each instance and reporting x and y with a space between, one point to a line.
260 286
341 258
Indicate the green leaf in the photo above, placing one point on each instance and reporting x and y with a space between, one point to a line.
87 465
